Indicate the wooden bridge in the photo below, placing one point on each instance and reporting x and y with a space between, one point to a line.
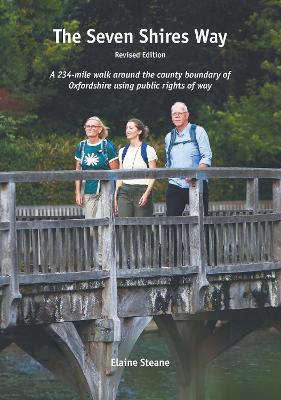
76 294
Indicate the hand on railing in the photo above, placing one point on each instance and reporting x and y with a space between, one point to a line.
191 181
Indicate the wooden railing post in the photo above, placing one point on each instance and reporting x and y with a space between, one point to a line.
276 205
8 258
198 255
252 194
109 307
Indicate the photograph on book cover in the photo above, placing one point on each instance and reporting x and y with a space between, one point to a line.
119 280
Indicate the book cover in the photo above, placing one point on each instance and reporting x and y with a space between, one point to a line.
63 61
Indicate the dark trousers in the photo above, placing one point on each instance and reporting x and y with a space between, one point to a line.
177 198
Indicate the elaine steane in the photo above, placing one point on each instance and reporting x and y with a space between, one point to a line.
140 54
143 362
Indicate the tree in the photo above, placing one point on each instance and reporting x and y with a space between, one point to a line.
246 132
28 51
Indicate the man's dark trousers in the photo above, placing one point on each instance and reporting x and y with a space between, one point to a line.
177 198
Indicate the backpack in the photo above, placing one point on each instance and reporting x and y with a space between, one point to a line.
143 153
104 146
192 132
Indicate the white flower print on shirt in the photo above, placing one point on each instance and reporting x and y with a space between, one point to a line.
91 159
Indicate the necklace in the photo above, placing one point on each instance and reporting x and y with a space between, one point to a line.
133 164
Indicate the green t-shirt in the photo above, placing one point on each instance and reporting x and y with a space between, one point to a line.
95 157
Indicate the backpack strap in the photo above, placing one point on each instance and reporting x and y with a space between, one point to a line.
144 153
104 145
125 152
82 145
192 133
171 144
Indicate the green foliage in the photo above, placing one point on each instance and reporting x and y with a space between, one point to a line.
55 55
40 154
54 152
28 50
247 132
267 36
11 125
13 69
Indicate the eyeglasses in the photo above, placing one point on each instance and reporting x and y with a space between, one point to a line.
92 126
178 114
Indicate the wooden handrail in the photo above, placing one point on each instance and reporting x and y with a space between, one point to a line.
158 173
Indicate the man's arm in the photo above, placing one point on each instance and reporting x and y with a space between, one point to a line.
166 145
204 148
205 151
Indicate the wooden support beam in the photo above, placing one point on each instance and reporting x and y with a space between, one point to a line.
8 255
198 254
59 348
109 262
109 349
276 240
252 194
276 200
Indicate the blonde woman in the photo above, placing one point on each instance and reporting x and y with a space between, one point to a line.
93 153
133 198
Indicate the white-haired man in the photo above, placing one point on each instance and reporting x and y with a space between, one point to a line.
186 146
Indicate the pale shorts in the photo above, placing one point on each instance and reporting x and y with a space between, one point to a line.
93 209
92 206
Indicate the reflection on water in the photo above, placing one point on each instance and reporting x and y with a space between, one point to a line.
152 383
22 378
250 369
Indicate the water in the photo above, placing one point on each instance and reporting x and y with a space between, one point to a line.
250 369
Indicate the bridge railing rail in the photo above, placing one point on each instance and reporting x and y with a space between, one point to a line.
50 245
73 211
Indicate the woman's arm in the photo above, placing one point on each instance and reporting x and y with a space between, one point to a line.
78 196
117 186
145 196
114 164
